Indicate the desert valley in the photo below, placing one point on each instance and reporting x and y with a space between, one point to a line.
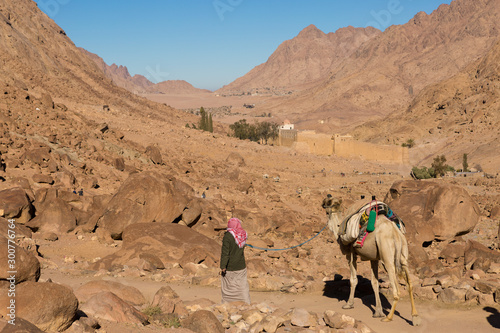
113 202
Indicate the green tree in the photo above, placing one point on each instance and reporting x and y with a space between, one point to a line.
240 129
275 130
210 124
465 164
203 120
439 165
263 131
245 131
267 130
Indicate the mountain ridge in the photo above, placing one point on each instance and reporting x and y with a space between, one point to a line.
385 72
300 61
139 84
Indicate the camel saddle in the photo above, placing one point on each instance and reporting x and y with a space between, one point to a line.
357 217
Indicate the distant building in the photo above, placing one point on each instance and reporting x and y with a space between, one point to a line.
287 125
287 134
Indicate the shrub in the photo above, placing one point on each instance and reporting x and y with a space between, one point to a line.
152 310
410 143
423 173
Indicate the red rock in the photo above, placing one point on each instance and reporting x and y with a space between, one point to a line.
16 205
166 299
49 306
143 198
43 179
108 306
57 217
203 321
154 154
169 242
128 294
25 264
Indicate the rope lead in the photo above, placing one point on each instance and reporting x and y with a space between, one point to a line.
288 248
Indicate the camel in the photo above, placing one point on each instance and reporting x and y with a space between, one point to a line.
386 244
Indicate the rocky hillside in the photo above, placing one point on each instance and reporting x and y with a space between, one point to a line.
301 61
453 117
138 84
127 192
39 58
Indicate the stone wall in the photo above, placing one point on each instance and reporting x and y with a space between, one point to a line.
319 144
347 147
344 146
287 137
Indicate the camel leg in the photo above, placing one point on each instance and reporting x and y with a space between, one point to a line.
414 314
378 305
351 257
395 289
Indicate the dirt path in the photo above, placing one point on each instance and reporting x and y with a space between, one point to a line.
435 317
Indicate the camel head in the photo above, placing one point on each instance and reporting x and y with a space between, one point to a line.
333 208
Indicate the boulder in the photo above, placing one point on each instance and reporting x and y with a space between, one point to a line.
25 264
57 217
192 213
49 306
235 159
203 321
154 154
452 252
129 294
42 179
169 242
143 198
21 231
478 256
166 299
20 326
254 222
452 296
39 156
16 205
65 179
47 101
338 320
302 318
108 306
495 212
119 164
433 210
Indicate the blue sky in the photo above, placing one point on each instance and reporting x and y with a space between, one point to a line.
210 43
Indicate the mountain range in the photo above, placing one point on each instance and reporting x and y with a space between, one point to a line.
139 84
411 81
389 69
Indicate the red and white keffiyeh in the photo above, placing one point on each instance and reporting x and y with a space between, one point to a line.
239 234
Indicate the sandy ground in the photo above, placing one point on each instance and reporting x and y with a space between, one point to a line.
435 318
211 100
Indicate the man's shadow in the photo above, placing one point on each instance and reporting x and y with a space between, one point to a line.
494 317
339 289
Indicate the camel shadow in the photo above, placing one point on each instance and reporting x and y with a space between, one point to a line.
339 289
494 317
